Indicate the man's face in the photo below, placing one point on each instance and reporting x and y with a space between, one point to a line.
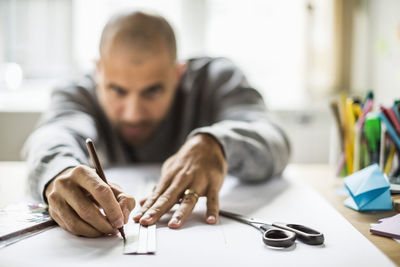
136 89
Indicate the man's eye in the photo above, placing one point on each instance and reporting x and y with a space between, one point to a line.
151 92
118 91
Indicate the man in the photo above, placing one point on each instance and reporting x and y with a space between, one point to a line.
200 118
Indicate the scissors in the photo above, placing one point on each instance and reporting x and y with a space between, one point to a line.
279 235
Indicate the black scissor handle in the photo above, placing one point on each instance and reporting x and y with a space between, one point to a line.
276 237
303 233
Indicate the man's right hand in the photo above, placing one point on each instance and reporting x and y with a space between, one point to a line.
76 196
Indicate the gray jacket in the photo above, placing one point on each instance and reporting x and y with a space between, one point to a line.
213 97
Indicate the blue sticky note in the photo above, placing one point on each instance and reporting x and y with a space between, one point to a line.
369 190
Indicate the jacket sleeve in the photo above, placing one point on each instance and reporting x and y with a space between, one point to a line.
59 140
255 148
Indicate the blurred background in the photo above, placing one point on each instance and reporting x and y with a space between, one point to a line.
298 53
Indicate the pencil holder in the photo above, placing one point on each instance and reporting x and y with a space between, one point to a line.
367 136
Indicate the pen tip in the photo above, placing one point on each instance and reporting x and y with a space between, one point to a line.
88 140
121 230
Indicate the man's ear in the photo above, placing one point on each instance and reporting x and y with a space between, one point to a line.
180 69
99 65
99 69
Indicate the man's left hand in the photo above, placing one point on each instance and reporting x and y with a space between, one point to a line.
200 166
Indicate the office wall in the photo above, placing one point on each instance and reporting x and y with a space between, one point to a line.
309 132
376 49
384 19
15 127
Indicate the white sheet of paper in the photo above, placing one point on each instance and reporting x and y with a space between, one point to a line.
228 243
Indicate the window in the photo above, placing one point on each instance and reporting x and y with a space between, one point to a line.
268 39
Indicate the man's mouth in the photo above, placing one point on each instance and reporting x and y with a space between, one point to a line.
134 131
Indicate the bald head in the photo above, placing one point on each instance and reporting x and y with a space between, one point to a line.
140 32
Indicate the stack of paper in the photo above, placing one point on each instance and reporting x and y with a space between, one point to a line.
387 227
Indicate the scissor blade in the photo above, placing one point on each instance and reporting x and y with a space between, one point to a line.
237 217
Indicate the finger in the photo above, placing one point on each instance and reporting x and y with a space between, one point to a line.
68 219
87 210
142 201
187 205
76 225
169 165
162 185
147 203
164 203
56 218
101 192
212 205
116 188
127 204
54 204
168 199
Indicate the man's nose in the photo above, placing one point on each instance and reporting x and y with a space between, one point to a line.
133 111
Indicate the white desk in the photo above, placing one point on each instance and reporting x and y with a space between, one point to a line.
229 243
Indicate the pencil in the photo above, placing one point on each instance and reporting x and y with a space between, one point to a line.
350 138
344 121
388 165
336 114
357 146
99 170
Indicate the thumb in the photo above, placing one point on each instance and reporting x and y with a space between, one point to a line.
126 202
